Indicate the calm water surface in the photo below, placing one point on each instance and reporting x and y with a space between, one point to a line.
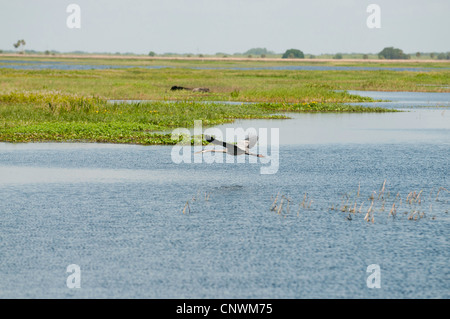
117 212
61 65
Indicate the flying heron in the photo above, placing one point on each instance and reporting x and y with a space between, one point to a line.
242 147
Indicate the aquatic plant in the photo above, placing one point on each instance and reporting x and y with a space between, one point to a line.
285 202
414 206
55 116
188 207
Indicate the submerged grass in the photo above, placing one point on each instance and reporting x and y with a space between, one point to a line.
381 204
384 204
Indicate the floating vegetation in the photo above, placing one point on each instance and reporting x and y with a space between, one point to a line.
32 116
317 107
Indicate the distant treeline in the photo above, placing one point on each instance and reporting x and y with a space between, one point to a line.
389 53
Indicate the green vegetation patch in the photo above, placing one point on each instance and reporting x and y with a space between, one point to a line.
275 86
57 116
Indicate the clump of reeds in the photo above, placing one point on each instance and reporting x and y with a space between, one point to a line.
380 201
196 199
305 204
284 203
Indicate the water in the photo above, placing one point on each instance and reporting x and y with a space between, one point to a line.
404 99
396 100
411 126
60 65
117 212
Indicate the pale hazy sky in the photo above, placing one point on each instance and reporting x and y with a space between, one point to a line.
210 26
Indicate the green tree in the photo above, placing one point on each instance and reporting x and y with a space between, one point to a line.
19 43
293 54
441 56
392 54
365 56
258 51
151 53
337 56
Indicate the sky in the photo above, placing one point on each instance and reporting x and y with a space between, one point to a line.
228 26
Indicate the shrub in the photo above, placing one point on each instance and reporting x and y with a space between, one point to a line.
293 54
258 51
392 54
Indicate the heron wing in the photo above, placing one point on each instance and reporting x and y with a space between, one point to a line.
211 139
248 143
231 148
252 140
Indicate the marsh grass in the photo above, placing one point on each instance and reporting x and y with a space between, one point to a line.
56 116
414 206
196 202
35 116
380 204
282 207
225 84
54 101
